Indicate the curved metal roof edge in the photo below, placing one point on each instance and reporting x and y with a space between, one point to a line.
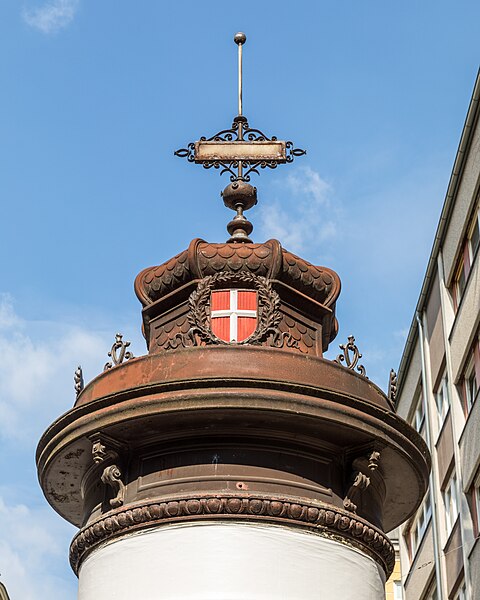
458 166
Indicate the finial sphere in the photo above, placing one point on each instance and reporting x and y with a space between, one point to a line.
240 38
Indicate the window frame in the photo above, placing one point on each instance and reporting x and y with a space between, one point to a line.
461 593
451 503
470 385
416 531
443 409
419 416
466 258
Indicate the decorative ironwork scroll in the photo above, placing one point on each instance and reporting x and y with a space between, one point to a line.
240 150
118 352
350 356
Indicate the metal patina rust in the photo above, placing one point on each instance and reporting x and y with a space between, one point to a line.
265 424
255 426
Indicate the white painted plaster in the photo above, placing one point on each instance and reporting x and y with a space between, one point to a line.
230 561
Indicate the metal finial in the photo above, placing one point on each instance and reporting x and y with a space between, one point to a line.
78 380
392 387
240 151
240 38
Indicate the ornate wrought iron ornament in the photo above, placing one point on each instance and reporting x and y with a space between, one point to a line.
240 150
118 352
350 356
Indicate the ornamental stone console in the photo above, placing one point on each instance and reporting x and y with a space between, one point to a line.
233 461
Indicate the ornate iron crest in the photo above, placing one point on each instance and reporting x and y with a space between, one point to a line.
241 133
241 148
268 317
118 352
350 356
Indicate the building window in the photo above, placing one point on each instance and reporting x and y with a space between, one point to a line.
450 503
397 590
431 594
471 378
442 402
474 502
419 526
467 257
419 416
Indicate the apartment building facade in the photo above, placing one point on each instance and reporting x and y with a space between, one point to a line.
438 389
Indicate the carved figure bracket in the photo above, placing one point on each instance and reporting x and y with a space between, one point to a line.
118 352
361 480
105 452
350 356
112 476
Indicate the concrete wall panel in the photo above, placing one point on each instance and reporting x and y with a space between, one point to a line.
418 579
470 446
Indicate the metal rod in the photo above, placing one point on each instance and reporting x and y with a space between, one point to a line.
240 38
240 79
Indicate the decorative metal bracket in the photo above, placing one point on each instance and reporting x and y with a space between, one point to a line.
112 476
78 380
118 352
361 481
350 356
105 452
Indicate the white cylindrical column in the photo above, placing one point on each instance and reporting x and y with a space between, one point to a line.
229 561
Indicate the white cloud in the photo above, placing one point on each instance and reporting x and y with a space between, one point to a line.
8 318
51 17
310 219
38 359
36 370
32 552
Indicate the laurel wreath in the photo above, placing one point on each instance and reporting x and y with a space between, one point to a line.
269 315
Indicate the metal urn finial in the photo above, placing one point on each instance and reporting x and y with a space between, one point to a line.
241 151
78 380
392 387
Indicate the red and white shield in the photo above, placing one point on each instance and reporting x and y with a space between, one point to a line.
233 314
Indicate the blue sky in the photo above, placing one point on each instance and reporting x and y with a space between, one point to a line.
96 96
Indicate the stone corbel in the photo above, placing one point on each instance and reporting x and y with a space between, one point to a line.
105 453
361 479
